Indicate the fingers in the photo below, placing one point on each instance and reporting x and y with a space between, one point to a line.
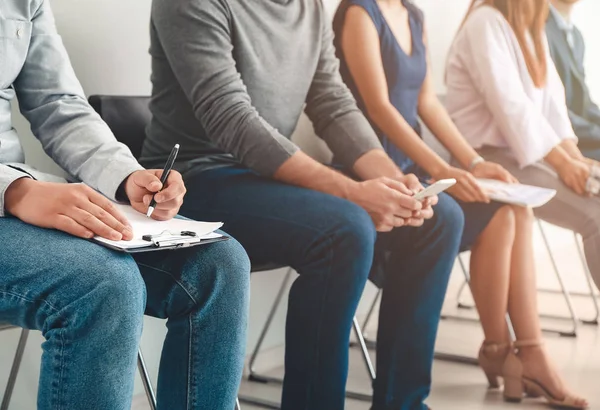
68 225
476 190
174 189
93 224
148 180
104 203
397 185
412 182
107 219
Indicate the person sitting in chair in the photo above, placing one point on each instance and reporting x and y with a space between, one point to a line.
567 49
89 301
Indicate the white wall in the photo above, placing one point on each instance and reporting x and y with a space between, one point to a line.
108 42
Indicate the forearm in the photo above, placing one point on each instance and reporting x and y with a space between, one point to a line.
389 120
570 147
558 158
303 171
376 164
441 125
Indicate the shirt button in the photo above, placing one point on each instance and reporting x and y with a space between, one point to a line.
19 32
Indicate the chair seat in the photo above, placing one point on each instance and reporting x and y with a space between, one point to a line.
263 267
6 326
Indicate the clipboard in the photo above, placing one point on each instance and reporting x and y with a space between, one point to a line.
150 235
166 242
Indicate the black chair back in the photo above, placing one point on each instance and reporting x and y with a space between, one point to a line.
126 116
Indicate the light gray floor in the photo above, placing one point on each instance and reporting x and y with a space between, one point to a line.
463 387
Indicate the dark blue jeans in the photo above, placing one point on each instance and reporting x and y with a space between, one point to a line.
331 243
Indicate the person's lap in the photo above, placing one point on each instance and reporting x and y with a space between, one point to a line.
79 292
284 224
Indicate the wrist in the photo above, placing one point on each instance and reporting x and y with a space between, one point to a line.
15 193
475 162
440 171
348 189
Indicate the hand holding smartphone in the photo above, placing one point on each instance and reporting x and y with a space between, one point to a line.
438 187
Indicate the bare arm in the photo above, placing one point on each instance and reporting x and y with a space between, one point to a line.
360 43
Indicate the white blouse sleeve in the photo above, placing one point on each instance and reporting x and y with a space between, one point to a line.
495 72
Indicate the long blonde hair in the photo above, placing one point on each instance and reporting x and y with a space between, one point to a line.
525 16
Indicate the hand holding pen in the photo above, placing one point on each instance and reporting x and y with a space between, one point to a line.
164 177
162 189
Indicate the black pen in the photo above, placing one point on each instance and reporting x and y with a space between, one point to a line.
165 175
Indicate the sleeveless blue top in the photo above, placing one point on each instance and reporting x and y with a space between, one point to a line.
404 73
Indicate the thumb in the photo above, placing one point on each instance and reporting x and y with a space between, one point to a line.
148 181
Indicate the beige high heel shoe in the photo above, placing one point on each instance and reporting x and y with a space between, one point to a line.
491 360
515 384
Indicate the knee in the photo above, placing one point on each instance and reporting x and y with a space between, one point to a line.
119 286
449 219
107 293
222 269
354 231
504 222
523 215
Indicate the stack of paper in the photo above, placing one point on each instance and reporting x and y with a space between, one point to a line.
517 194
142 225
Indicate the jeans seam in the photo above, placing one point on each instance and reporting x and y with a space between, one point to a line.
62 367
181 285
189 371
30 300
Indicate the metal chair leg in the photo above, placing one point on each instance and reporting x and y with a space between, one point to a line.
146 381
252 373
14 371
371 311
237 405
590 285
565 292
363 348
256 377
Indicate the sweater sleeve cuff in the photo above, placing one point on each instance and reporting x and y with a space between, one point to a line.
7 177
350 137
114 174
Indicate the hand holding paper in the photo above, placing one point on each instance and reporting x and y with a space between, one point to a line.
517 194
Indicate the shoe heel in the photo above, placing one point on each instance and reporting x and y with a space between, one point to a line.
513 390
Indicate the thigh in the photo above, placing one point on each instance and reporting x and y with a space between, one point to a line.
477 217
44 271
275 222
567 209
180 280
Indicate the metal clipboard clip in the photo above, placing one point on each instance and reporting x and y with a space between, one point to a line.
174 240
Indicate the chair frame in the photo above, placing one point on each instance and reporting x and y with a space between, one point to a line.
255 376
16 365
573 318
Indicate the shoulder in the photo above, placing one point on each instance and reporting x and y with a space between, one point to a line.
486 16
354 12
415 11
24 10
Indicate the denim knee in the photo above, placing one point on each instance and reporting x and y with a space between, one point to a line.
217 275
354 225
107 292
449 220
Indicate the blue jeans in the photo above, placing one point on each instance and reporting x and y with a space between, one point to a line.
89 303
331 243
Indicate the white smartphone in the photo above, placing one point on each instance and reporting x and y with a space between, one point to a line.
438 187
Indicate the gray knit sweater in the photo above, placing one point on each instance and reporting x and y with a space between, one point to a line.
232 77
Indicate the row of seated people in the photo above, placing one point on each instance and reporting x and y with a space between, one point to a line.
230 81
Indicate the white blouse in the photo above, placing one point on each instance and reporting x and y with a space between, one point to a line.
492 97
